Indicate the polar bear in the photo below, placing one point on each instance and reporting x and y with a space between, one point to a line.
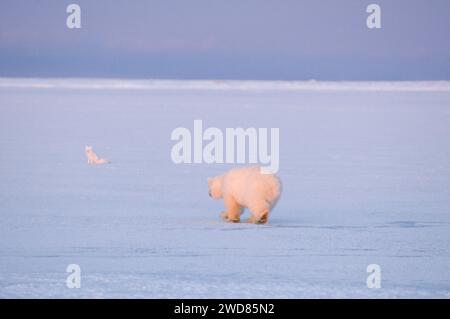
246 188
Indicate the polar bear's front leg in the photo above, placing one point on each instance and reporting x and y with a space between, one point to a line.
233 218
233 211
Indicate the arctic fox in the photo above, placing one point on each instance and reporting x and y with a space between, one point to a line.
93 158
246 188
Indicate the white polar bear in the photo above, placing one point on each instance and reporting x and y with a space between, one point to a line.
246 188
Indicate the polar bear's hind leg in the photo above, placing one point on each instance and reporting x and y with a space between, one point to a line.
260 211
263 218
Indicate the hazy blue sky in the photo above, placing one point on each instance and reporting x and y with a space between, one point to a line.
235 39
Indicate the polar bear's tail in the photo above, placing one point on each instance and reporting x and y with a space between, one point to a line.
275 190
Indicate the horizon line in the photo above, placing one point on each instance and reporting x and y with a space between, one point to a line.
98 83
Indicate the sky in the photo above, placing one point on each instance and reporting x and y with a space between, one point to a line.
227 39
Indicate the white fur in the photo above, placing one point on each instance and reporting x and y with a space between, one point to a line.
93 158
246 188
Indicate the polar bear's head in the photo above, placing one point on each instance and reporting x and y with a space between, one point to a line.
215 187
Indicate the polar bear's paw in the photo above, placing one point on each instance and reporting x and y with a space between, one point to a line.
234 220
226 217
262 219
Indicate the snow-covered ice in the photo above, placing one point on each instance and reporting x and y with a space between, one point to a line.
366 180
